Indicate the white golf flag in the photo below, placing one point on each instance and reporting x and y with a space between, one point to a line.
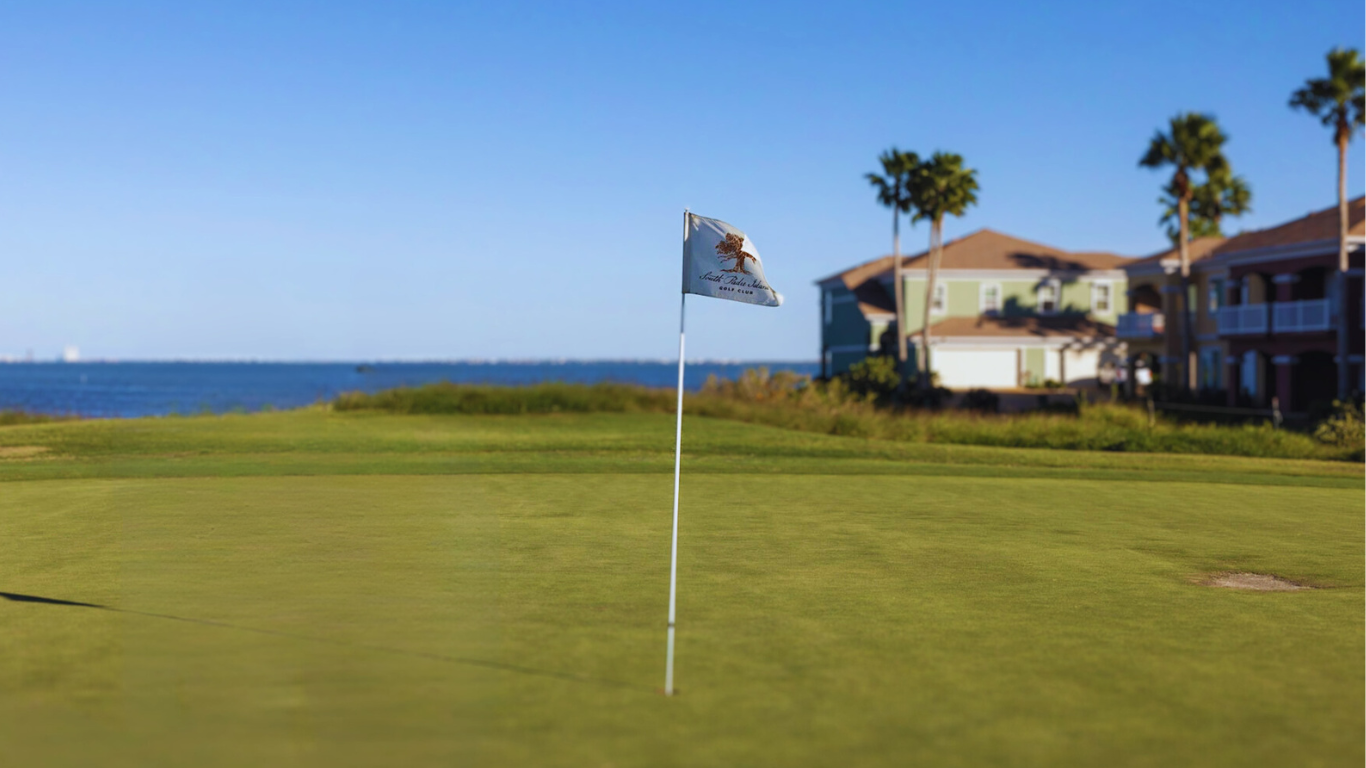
721 262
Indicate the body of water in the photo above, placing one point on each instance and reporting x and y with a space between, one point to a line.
159 389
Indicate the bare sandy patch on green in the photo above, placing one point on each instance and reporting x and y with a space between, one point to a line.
1256 582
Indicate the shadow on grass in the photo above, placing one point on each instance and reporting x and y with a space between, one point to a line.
18 598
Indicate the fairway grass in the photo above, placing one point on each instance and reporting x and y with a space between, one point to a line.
319 589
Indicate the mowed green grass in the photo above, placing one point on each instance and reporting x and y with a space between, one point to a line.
311 588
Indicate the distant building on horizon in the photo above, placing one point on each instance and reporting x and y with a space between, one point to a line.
71 354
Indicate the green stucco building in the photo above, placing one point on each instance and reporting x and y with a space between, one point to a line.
1006 313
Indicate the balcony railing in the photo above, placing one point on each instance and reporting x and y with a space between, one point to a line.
1242 318
1279 317
1300 316
1139 325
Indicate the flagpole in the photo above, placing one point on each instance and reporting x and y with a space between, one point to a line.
678 456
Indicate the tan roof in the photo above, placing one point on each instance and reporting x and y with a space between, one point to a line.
988 249
1319 225
1075 326
1200 248
862 281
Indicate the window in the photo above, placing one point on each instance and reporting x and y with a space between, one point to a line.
991 298
1101 298
1216 295
1048 297
941 299
829 310
1248 379
1211 368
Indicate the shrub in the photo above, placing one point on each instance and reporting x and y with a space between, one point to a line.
757 384
933 398
983 400
1343 428
876 378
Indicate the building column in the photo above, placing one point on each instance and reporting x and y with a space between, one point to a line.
1175 322
1233 378
1285 379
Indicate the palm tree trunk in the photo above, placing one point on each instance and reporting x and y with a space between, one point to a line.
1187 314
933 273
899 290
1344 322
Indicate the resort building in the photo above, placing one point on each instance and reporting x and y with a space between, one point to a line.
1005 313
1265 312
1152 328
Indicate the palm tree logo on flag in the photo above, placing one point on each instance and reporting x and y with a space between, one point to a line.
733 248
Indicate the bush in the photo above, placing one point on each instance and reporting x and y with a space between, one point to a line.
757 384
933 398
876 378
1343 428
983 400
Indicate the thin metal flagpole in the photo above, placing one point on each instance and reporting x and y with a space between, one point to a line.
678 457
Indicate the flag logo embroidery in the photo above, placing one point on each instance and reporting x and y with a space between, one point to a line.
733 248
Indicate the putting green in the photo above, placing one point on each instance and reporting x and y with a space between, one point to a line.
309 588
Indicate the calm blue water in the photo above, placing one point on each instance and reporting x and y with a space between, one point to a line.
158 389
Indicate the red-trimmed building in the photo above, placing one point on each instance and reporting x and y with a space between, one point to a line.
1265 311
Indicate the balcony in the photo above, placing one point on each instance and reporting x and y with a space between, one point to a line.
1279 317
1242 318
1139 325
1301 316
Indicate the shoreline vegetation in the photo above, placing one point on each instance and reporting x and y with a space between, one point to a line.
844 408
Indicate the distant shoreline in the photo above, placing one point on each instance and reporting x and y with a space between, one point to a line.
131 388
362 361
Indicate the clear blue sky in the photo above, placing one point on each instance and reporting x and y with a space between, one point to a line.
333 180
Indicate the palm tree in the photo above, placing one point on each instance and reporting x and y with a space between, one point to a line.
1339 102
1223 195
1194 144
941 186
894 191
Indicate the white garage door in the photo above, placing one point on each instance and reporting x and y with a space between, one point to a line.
969 368
1080 366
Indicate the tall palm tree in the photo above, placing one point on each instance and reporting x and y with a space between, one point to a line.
942 186
1223 195
894 191
1338 101
1194 144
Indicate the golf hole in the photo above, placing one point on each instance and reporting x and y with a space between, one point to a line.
1257 582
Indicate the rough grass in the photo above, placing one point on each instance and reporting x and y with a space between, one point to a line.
1094 428
493 593
446 397
11 418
